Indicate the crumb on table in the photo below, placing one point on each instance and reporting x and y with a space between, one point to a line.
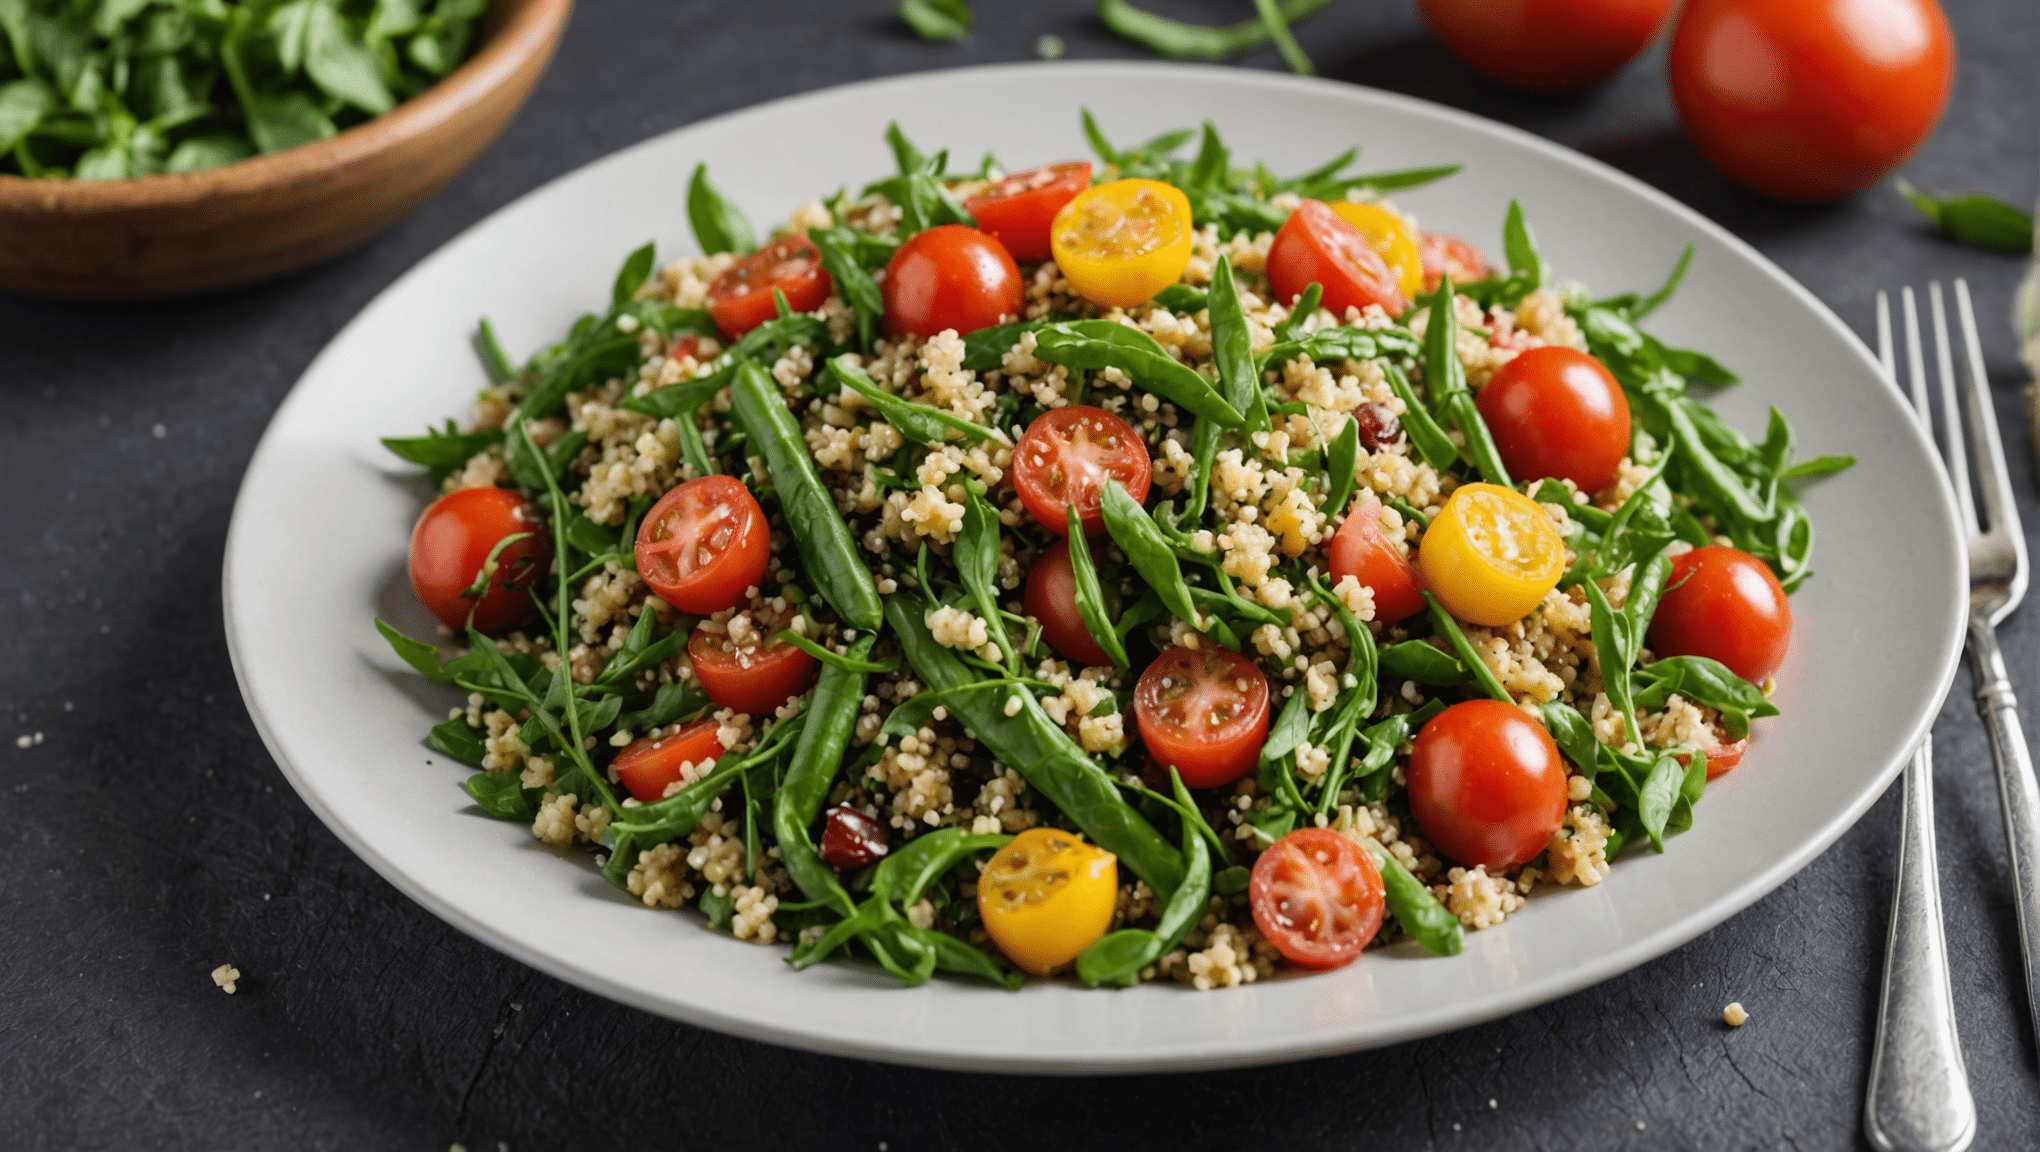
225 976
1734 1015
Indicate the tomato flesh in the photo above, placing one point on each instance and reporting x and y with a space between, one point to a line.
1445 255
1204 711
452 542
756 676
1811 102
1486 784
1121 242
1066 456
650 765
1018 209
1545 45
949 277
1724 604
1558 413
741 298
850 839
1359 550
1051 598
1046 896
704 544
1317 897
1316 246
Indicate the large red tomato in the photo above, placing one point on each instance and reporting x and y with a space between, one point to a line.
1726 605
452 543
1811 101
949 277
1546 45
1487 784
1558 413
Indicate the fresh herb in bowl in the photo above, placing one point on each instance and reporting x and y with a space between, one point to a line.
108 89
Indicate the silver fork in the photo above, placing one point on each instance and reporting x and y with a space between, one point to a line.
1918 1098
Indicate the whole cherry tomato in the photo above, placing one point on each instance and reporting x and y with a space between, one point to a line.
1811 101
650 765
741 298
1486 784
1317 246
950 277
452 542
1726 605
1205 711
1066 456
1558 413
703 544
1051 598
1317 897
1360 550
1018 209
1545 45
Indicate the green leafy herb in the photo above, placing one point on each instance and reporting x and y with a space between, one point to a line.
442 452
1096 344
719 226
1969 218
1090 596
939 20
1180 41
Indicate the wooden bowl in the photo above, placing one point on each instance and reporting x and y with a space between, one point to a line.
173 235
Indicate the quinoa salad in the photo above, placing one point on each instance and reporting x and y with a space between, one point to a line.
1149 569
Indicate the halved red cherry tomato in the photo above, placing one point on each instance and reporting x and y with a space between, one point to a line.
1726 605
1359 550
1018 209
1545 45
703 544
1051 598
685 344
1811 102
756 676
741 298
1721 756
452 542
1558 413
650 765
1450 256
1317 246
1064 459
1317 897
1205 711
850 839
950 277
1486 784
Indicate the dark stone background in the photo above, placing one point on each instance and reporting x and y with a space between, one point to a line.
150 837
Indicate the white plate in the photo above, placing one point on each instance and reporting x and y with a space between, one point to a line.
318 540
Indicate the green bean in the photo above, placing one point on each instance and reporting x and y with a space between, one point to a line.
1119 957
1418 912
921 423
1449 628
1430 440
817 757
825 544
1096 344
1043 754
1445 380
1148 551
976 556
1090 597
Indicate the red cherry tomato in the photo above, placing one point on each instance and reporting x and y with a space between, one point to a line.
703 544
1558 413
1051 598
1205 711
1545 45
650 765
741 298
1725 605
1486 784
686 344
950 277
1317 897
1064 459
1018 209
1811 102
851 839
1316 246
1450 256
755 677
1721 756
1359 550
452 542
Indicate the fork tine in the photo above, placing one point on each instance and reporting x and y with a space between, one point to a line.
1995 482
1914 359
1884 356
1951 414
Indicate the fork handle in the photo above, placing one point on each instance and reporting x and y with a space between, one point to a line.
1918 1098
2018 790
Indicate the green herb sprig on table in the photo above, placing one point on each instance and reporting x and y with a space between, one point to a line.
108 89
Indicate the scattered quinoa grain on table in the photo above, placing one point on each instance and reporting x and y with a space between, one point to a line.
1734 1015
1219 576
225 976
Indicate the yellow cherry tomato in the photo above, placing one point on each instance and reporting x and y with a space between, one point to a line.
1046 896
1120 243
1491 555
1390 237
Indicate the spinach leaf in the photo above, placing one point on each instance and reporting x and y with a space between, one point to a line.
1098 344
1423 662
442 451
719 226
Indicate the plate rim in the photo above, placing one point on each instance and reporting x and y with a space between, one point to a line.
1218 1054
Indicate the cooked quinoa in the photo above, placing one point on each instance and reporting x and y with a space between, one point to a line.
585 432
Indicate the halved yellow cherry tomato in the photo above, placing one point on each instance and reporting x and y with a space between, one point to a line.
1390 237
1491 555
1120 243
1046 896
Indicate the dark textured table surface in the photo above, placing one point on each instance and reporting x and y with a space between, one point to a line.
149 837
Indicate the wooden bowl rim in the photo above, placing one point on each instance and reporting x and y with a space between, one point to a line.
526 32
